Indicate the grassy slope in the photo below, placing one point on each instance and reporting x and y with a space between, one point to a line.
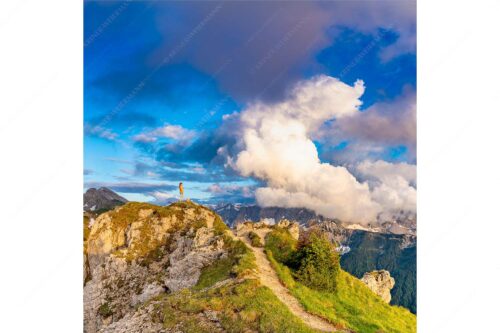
353 306
243 305
372 251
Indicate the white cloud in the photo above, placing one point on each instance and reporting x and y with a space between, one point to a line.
144 138
100 132
278 150
383 170
168 131
175 132
243 190
393 185
276 146
162 198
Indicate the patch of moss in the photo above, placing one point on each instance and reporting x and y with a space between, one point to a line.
199 223
153 255
105 310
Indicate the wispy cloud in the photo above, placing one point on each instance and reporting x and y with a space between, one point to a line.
174 132
100 132
231 193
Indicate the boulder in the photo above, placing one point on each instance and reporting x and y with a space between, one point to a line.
380 282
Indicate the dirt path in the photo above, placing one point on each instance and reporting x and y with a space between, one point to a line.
269 278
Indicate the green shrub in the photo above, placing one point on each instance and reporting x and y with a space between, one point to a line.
281 244
105 310
255 239
317 263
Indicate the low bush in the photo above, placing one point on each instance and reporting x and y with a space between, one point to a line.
255 239
317 263
313 261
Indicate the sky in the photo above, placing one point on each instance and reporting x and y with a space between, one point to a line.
307 104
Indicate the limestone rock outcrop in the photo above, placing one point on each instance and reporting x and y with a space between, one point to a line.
380 282
138 251
292 227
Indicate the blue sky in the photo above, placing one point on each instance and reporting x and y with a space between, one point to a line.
161 78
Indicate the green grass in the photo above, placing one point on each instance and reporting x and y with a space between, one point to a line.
241 307
282 244
218 271
239 263
219 226
352 306
244 259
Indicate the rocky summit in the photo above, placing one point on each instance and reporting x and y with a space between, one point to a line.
138 251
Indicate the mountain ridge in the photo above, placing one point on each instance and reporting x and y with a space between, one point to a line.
400 223
178 268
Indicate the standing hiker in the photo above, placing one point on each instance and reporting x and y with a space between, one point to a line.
181 191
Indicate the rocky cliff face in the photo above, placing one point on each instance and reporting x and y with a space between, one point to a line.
138 251
380 282
100 200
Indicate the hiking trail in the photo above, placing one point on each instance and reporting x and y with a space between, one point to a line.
269 278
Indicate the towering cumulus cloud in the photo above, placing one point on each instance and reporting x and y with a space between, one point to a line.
277 148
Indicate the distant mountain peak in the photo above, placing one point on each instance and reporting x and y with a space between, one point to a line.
101 199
